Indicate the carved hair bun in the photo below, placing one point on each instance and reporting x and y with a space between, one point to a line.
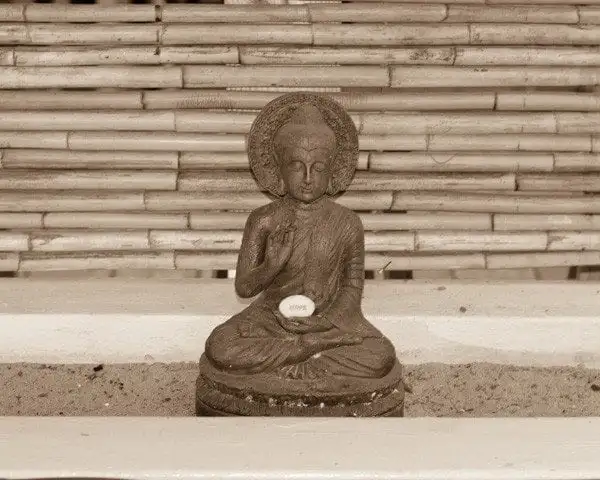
276 113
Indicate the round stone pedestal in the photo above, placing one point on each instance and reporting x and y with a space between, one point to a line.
226 394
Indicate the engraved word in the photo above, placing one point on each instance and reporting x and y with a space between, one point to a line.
296 306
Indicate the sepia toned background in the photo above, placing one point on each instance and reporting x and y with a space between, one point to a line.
122 132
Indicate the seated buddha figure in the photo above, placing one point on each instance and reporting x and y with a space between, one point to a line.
303 148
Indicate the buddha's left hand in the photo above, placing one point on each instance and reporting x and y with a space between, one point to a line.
311 324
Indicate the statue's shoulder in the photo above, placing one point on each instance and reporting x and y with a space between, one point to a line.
265 214
349 216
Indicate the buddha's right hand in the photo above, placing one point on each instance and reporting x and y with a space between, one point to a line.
279 247
331 339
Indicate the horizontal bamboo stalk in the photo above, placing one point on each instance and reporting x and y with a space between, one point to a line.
54 140
14 242
198 54
234 161
36 201
394 142
552 101
223 240
570 241
515 142
245 201
542 259
580 183
256 13
352 101
495 203
65 240
359 12
532 34
517 13
91 77
35 262
87 180
507 222
69 100
285 75
36 12
460 162
589 14
206 260
503 76
578 122
155 141
9 262
479 241
577 162
98 220
74 34
371 221
213 122
241 181
64 56
234 34
471 123
392 34
12 13
528 56
73 159
7 57
98 120
20 220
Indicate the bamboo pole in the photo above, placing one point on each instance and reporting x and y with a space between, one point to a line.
108 220
577 162
54 140
570 241
7 57
551 101
87 180
36 201
91 77
234 34
286 75
479 241
35 12
20 220
71 56
121 120
65 240
205 260
517 14
69 100
514 142
246 201
522 222
495 203
532 34
76 159
542 259
74 34
263 14
469 123
528 56
578 122
359 12
12 13
589 14
503 76
209 122
9 262
354 101
460 162
155 141
563 182
14 242
226 54
393 142
393 34
94 260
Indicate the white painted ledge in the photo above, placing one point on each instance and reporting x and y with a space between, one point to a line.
167 321
307 449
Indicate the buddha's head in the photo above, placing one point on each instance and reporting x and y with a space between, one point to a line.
304 148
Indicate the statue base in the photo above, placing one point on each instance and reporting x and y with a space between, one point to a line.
225 394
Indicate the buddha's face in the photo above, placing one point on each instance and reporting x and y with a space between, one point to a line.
305 169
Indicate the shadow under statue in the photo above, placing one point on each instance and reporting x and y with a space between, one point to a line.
331 361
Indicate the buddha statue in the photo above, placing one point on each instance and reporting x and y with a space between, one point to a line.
303 149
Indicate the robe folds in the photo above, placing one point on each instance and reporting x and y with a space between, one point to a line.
326 265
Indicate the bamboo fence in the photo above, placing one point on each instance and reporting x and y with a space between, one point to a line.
123 130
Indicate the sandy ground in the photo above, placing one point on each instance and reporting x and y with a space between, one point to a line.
473 390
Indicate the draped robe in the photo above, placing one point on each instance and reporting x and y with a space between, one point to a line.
326 265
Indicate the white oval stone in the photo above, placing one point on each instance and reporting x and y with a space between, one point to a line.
296 306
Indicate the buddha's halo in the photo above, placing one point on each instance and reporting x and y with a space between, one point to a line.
305 128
